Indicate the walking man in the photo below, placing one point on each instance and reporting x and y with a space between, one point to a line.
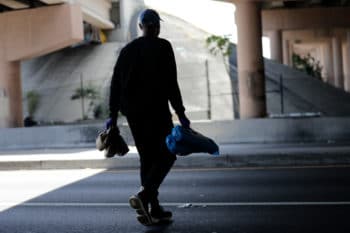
143 83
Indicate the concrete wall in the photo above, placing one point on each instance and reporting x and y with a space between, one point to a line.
240 131
56 76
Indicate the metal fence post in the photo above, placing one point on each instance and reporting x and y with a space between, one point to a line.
208 87
82 96
282 95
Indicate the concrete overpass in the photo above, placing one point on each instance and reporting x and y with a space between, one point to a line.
319 27
34 28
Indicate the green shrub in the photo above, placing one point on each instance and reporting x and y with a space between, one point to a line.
307 64
33 101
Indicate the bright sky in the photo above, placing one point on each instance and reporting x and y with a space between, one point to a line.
214 17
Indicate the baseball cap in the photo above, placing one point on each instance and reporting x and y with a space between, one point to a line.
149 17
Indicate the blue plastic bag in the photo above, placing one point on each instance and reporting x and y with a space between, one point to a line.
184 141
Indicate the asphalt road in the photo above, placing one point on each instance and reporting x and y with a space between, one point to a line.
205 201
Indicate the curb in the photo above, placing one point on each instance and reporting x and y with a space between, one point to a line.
243 160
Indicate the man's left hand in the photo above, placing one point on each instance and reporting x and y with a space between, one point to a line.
185 122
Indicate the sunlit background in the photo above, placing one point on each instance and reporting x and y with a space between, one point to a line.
211 16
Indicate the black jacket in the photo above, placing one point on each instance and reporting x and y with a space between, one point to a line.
145 79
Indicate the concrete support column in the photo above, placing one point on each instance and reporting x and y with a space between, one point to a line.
328 56
11 114
286 52
347 64
276 45
251 78
337 62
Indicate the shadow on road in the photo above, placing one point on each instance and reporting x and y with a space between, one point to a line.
98 204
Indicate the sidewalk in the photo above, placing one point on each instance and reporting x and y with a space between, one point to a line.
232 156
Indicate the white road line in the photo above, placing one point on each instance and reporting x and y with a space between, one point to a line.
175 169
176 204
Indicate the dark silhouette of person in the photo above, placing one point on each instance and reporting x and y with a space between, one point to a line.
143 83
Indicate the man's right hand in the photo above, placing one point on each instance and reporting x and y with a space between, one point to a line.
110 123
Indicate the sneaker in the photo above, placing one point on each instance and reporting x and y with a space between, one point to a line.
158 214
141 207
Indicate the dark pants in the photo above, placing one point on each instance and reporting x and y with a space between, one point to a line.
155 158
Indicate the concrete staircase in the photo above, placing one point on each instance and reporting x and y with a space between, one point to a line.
301 92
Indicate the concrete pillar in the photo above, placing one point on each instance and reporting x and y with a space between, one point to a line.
11 94
286 52
251 76
347 63
276 45
328 58
346 69
337 62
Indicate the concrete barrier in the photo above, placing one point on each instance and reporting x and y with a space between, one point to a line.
224 132
290 130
